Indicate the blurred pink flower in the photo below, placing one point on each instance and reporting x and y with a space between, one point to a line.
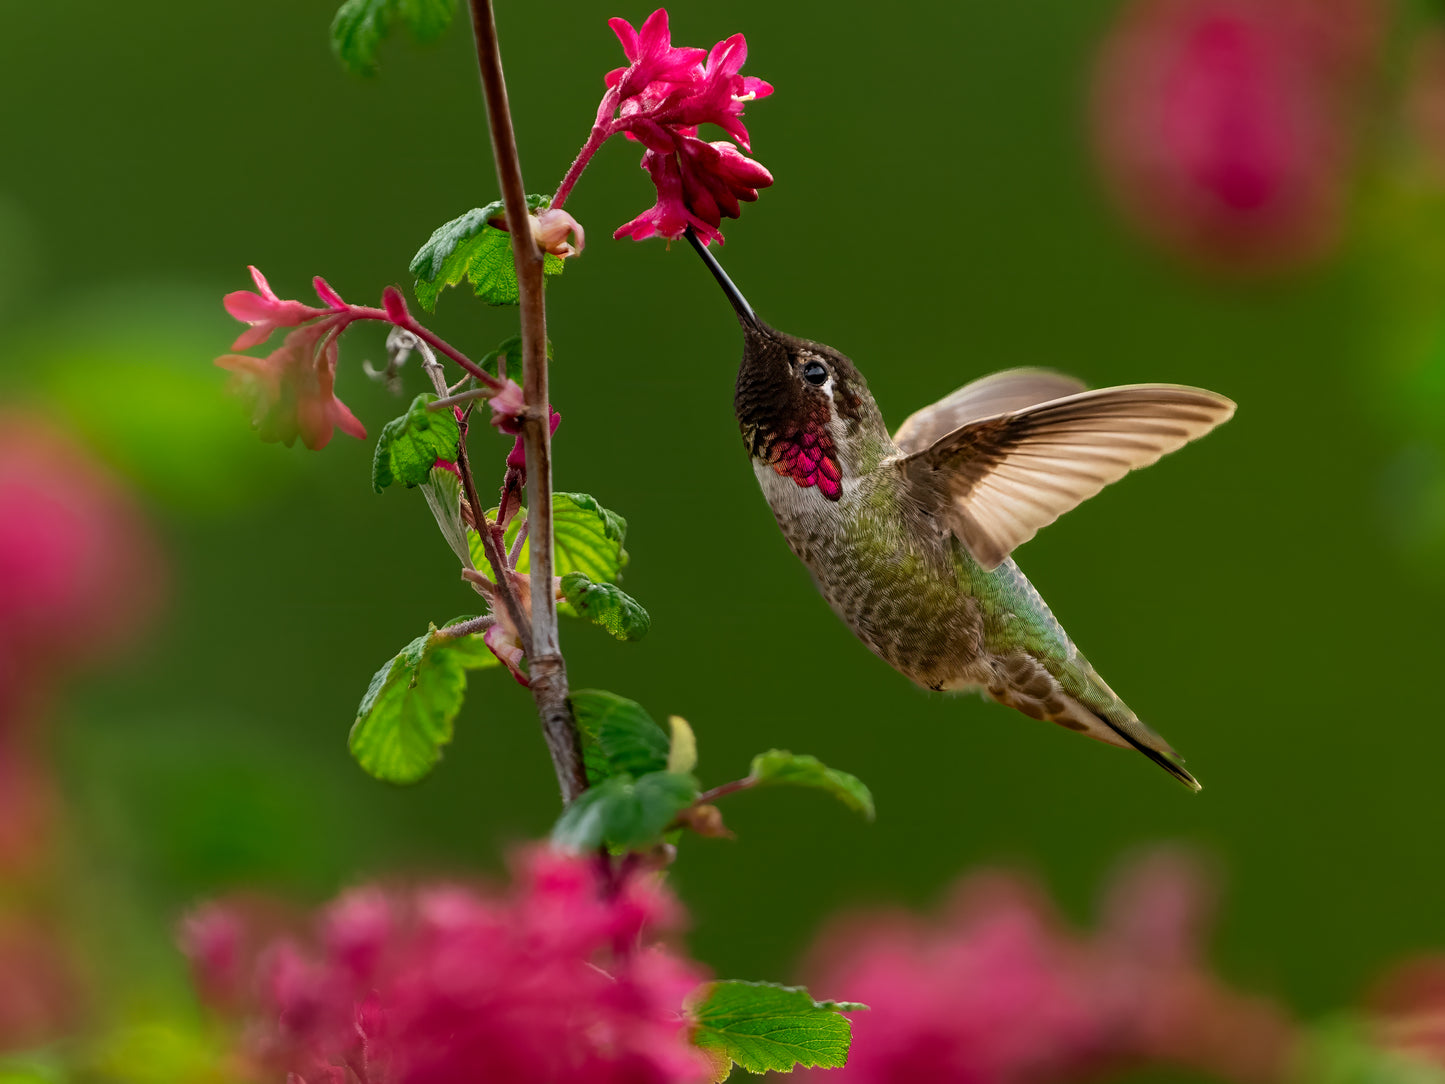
550 982
1407 1008
266 312
1224 126
997 990
81 576
1425 100
40 996
292 389
80 569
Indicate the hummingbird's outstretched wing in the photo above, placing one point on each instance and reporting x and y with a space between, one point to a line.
1001 478
997 393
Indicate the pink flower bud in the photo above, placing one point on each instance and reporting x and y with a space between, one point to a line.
395 305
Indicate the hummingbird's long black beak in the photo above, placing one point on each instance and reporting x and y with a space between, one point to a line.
734 295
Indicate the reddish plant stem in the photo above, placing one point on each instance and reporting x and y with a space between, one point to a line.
436 342
545 665
724 789
495 559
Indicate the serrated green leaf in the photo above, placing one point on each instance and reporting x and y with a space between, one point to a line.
406 715
682 750
778 766
624 813
469 248
762 1027
607 605
587 538
409 446
623 735
360 26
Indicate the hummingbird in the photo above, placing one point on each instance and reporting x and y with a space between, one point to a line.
908 536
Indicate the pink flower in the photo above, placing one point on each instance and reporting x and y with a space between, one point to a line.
551 229
292 389
660 99
266 312
80 569
653 58
552 981
1222 126
517 457
997 990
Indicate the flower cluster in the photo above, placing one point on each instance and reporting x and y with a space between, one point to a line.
292 389
1224 126
659 100
553 981
998 990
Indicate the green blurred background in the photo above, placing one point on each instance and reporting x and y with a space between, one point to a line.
1259 597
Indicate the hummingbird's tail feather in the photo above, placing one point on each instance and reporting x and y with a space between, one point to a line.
1124 729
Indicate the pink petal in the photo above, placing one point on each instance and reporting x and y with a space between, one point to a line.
327 294
261 283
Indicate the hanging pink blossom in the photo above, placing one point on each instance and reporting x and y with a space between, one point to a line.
292 389
1224 126
266 312
659 100
555 980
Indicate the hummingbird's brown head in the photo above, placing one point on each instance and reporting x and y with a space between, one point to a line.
802 406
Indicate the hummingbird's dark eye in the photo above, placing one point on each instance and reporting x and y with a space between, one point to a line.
815 373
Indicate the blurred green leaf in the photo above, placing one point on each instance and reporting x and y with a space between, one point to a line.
778 766
622 735
469 248
406 715
607 605
762 1026
682 750
624 813
1340 1051
360 26
409 446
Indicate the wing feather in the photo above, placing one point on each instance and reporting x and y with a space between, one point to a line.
1001 478
998 393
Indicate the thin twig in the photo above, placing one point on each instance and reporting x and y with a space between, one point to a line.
709 796
545 666
495 559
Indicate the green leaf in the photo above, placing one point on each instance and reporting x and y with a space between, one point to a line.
360 26
624 738
778 766
761 1026
607 605
587 538
469 248
406 715
624 813
409 446
443 492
